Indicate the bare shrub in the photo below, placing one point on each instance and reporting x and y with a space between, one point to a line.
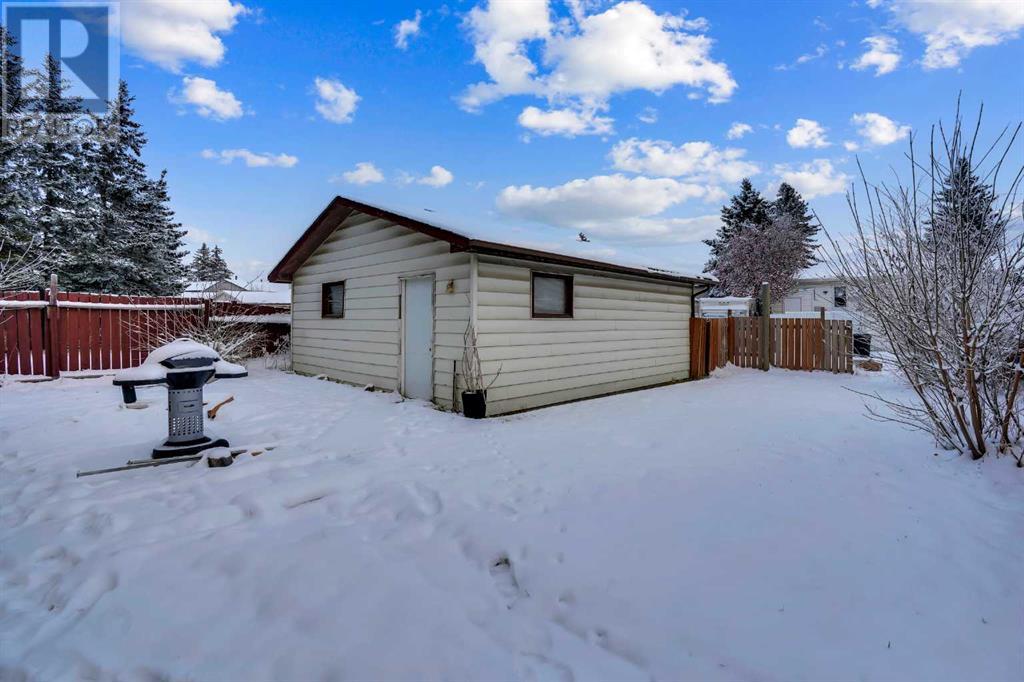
472 372
937 262
233 337
20 269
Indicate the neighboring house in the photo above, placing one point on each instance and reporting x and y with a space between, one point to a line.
812 294
725 306
226 291
212 287
380 298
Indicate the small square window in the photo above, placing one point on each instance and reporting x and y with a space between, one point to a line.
840 297
332 299
551 295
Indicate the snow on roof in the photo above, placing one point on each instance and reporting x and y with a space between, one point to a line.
276 297
203 286
725 300
591 250
458 226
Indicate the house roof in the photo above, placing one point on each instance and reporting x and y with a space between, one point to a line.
341 207
204 286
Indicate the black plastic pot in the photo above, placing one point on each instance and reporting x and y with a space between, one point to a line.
474 404
862 345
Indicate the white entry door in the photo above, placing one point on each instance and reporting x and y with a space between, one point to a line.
418 338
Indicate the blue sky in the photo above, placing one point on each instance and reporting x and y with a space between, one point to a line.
258 111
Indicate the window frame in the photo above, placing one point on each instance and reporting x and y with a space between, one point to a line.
325 300
569 295
836 297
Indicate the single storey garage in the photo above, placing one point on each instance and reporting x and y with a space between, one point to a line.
384 299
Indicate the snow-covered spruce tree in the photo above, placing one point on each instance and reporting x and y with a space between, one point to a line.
60 171
16 231
218 266
158 261
746 208
200 267
770 252
938 264
141 244
788 202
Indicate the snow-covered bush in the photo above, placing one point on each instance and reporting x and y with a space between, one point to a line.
19 269
234 338
937 261
771 252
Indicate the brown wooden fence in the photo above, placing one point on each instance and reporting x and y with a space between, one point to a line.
802 344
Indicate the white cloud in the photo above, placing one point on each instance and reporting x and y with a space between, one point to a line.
879 130
696 161
951 30
567 122
439 177
209 100
197 236
807 133
611 206
648 115
173 32
818 53
815 179
609 196
738 130
590 58
851 146
364 173
883 55
335 102
406 29
251 159
499 34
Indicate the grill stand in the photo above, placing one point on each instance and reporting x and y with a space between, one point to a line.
184 366
185 425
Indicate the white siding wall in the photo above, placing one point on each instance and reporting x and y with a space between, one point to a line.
370 255
812 297
625 333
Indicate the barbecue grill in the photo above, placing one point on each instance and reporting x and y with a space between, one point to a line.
184 366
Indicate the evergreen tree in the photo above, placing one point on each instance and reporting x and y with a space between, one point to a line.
61 170
788 202
747 208
201 263
158 260
121 183
964 210
219 266
137 243
16 201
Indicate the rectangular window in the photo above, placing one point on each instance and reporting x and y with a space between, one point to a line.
332 299
840 297
551 295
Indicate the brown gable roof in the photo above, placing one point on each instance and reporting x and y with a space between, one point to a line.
341 208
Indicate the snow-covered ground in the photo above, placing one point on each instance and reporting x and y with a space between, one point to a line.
747 527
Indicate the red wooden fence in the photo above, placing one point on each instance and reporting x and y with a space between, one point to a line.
42 334
802 344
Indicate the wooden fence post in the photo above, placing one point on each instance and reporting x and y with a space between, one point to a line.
822 362
766 324
53 332
730 338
